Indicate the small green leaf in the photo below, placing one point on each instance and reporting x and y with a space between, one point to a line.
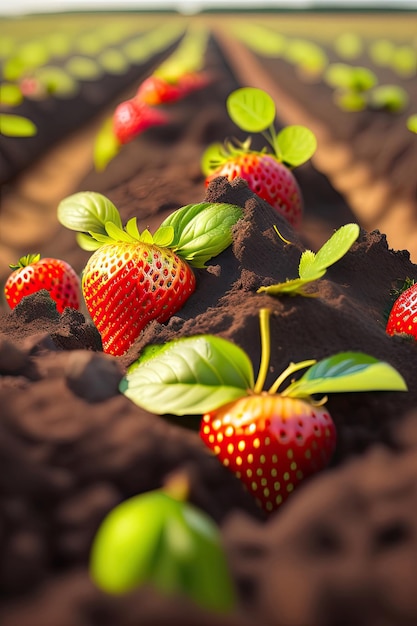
347 372
87 242
251 109
83 68
16 126
88 211
106 145
307 266
388 97
291 287
202 230
164 236
349 45
10 95
155 539
189 376
337 246
118 234
412 123
350 100
132 228
146 237
212 158
294 145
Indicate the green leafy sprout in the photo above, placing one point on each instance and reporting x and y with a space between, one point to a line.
313 266
194 375
253 111
196 232
159 539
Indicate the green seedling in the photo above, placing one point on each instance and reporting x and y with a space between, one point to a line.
17 126
412 123
159 539
313 266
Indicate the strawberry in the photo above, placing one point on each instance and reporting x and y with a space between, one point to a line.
159 90
33 273
270 442
126 285
268 178
403 315
132 117
133 278
268 174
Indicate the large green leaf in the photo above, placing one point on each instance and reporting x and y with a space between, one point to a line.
337 246
189 376
251 109
346 372
202 231
88 211
155 539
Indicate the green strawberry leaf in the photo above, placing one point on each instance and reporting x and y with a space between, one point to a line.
155 539
346 372
412 123
132 228
212 158
16 126
313 266
202 231
251 109
294 145
88 211
88 242
10 95
118 234
106 146
189 376
164 236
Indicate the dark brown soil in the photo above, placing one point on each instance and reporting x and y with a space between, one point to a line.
342 550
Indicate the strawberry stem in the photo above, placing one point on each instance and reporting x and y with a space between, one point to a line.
293 367
264 315
24 261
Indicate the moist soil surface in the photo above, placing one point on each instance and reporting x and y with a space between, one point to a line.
342 549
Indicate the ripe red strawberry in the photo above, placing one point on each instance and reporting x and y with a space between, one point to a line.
270 442
269 179
403 315
126 285
33 273
157 90
132 117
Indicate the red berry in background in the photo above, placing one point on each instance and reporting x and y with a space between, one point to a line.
32 274
157 90
132 117
403 315
269 179
271 443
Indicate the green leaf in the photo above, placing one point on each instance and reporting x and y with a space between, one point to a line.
88 211
388 97
132 228
251 109
106 145
346 372
337 246
57 81
10 95
83 68
294 145
87 242
146 237
212 158
412 123
349 45
164 236
202 230
189 376
350 100
313 266
155 539
118 234
16 126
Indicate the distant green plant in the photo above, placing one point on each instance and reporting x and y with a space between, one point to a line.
16 126
412 123
348 45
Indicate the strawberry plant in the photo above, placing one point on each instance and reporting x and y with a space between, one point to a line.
133 278
132 117
402 318
271 439
268 174
313 265
33 273
159 539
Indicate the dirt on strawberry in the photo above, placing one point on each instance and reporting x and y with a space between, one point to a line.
341 550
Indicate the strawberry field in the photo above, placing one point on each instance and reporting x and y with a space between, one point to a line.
209 421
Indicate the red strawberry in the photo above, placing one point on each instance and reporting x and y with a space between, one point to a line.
33 273
132 117
126 285
270 442
269 179
403 315
158 90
